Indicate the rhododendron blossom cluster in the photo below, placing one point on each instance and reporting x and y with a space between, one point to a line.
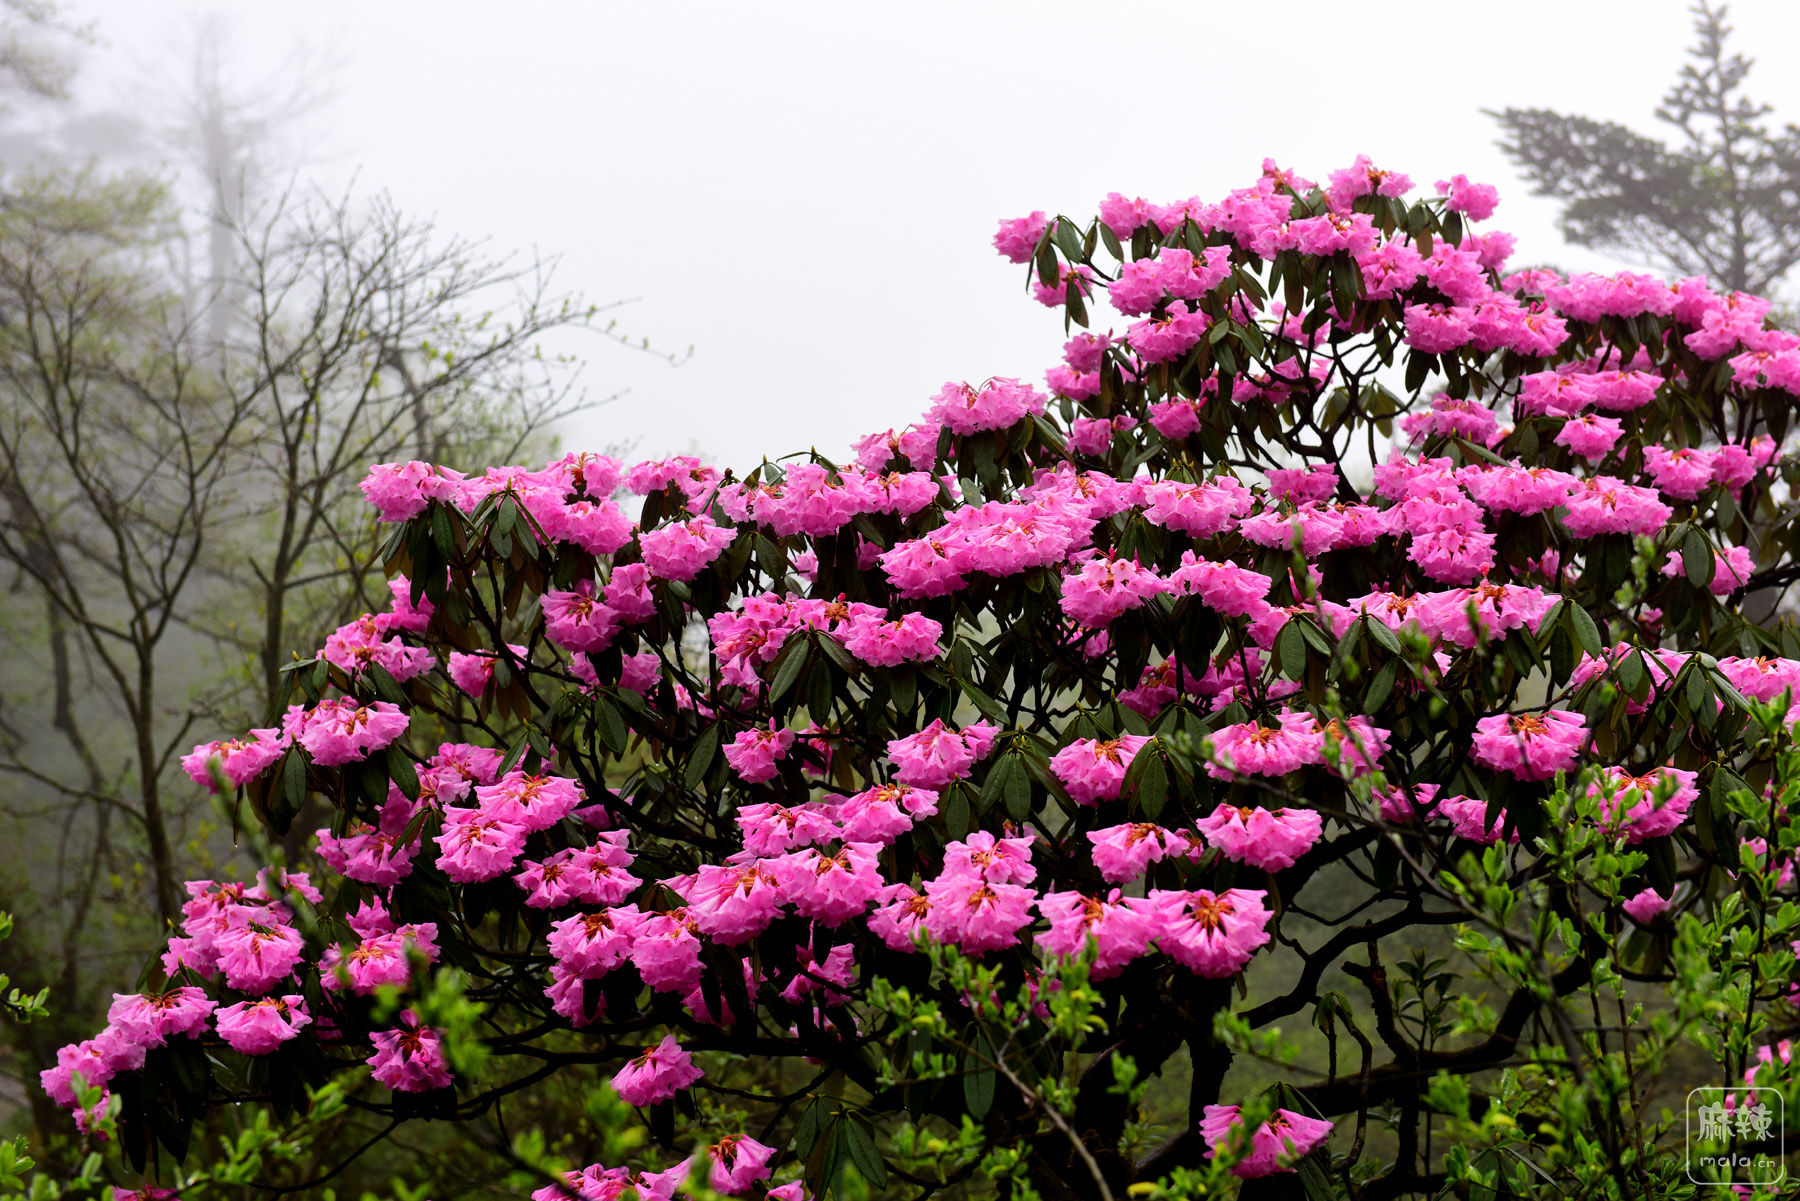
1327 558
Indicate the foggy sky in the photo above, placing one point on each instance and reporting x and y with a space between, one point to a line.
806 192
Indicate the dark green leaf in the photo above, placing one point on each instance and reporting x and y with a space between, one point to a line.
443 534
978 1083
993 788
1382 635
1587 634
1697 558
788 665
1152 785
956 811
1381 687
700 760
834 650
293 780
1018 790
611 725
864 1154
1290 650
1632 677
402 772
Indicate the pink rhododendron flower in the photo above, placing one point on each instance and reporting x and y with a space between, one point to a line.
937 755
342 731
1732 568
1476 201
1093 435
1762 679
1121 932
1211 934
899 916
373 856
1124 853
997 404
1435 328
409 1058
535 802
1651 805
1354 746
975 914
832 888
1404 805
592 944
1449 417
381 959
1683 473
1287 1136
883 813
400 491
240 760
1051 295
148 1019
1452 554
1590 436
1018 238
1271 839
683 550
1198 509
1175 419
1313 528
255 954
732 903
475 846
665 949
771 829
1253 749
1124 217
88 1059
592 1183
576 621
472 672
1160 339
912 637
754 753
258 1027
356 644
1645 907
1531 746
1516 489
1389 268
1095 770
1228 589
593 875
1363 178
656 1074
1469 819
405 613
738 1161
996 860
1457 273
1466 616
1603 505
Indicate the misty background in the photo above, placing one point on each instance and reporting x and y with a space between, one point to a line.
805 193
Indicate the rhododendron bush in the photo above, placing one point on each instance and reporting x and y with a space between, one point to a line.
1312 744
